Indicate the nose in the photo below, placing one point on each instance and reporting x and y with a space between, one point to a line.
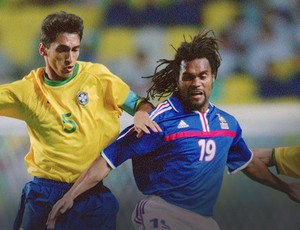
68 56
196 81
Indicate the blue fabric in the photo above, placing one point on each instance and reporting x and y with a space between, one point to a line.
95 209
185 163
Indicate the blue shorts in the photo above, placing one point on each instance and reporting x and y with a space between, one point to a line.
97 208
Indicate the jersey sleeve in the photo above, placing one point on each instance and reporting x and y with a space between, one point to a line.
130 103
116 90
287 160
128 146
239 155
10 105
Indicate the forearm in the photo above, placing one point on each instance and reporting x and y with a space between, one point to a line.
265 154
89 178
258 171
96 172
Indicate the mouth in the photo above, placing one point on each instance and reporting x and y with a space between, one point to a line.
197 94
69 69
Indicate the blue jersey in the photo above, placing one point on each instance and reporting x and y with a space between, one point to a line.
185 163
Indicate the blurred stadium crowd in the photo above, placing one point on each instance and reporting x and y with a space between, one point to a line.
259 40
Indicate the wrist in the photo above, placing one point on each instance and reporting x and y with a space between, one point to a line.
144 105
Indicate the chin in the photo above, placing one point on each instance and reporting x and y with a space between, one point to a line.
197 106
193 107
66 75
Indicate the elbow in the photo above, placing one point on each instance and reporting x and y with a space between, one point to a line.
98 171
93 177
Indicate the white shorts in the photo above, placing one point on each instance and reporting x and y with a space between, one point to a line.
155 213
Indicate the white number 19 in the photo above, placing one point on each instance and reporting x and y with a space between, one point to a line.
208 150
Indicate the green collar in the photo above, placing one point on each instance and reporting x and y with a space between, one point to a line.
59 83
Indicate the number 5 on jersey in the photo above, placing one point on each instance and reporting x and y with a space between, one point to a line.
70 125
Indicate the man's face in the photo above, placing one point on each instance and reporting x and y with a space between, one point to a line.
195 84
61 56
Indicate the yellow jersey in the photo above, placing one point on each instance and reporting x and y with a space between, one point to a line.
287 160
69 122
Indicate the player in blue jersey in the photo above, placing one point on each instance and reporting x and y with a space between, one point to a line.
72 111
180 170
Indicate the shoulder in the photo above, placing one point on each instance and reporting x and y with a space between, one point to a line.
218 111
97 70
31 79
93 68
225 119
24 87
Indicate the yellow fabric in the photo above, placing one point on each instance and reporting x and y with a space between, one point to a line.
288 160
65 135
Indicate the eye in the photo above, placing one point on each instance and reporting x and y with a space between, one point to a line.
203 77
75 49
187 77
62 49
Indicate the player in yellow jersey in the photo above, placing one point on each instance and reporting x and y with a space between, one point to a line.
285 159
72 111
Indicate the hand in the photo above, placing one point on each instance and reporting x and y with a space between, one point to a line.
294 191
60 207
142 122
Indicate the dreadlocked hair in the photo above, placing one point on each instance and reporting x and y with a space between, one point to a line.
165 81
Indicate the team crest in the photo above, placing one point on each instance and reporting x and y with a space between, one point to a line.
83 98
223 122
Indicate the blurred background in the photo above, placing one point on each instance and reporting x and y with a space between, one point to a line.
258 82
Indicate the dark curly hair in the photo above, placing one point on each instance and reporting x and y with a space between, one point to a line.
203 45
60 22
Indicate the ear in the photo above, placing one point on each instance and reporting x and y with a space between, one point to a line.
42 49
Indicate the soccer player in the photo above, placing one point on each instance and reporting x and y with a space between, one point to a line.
285 159
72 111
181 168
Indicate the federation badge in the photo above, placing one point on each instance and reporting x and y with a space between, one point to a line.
82 98
223 122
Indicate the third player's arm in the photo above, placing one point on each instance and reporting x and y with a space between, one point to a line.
258 170
265 154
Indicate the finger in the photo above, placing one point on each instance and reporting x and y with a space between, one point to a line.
154 127
139 134
144 129
63 209
51 225
50 217
49 222
157 127
54 214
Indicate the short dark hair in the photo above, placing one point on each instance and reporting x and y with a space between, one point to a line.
60 22
203 45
